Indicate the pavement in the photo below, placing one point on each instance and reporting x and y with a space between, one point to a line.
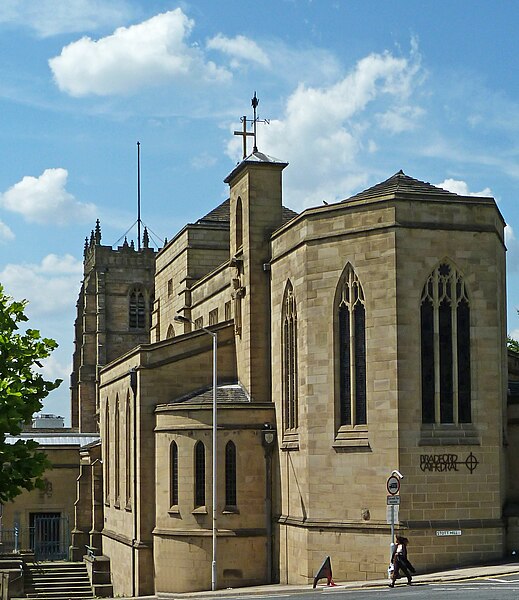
458 574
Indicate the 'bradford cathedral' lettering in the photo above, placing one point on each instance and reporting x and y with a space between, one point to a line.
441 463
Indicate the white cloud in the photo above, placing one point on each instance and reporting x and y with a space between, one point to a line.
52 17
6 234
50 287
239 48
325 129
401 118
509 235
54 368
461 187
151 53
44 199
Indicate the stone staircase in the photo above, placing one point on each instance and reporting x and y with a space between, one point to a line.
56 581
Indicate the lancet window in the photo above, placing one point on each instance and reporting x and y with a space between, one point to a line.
106 448
230 474
199 474
351 337
128 442
289 360
173 488
445 347
117 453
239 224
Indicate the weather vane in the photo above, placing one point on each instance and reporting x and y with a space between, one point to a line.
244 133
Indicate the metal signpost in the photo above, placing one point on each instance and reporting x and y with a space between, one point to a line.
393 488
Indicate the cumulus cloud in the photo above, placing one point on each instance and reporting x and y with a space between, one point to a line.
461 187
147 54
325 129
6 234
55 368
401 118
44 199
52 17
240 49
50 287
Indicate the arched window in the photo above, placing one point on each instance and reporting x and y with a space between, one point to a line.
239 223
289 359
230 475
137 309
173 471
106 448
199 474
351 337
171 332
117 453
128 442
445 347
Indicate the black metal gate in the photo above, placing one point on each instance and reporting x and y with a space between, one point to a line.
49 536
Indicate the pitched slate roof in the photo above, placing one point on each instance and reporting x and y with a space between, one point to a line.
222 214
224 393
401 185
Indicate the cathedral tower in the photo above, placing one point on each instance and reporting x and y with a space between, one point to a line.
113 315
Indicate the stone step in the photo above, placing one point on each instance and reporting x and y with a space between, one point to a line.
57 581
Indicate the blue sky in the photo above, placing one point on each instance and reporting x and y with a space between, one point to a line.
354 90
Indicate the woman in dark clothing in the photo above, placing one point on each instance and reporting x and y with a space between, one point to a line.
400 561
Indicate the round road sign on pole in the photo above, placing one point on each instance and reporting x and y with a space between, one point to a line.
393 485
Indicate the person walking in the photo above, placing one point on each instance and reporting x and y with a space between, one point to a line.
400 561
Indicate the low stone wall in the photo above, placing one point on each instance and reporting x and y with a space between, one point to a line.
11 580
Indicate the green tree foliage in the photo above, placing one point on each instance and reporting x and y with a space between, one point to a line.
22 390
512 344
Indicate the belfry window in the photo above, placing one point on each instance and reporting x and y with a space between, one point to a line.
351 337
173 470
230 474
289 359
137 309
445 348
199 474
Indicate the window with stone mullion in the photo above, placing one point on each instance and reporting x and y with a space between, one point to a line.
352 352
445 348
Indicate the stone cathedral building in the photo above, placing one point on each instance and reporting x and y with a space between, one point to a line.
353 339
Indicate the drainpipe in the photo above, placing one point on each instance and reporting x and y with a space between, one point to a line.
133 385
268 439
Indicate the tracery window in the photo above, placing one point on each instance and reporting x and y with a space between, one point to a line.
351 336
173 469
289 359
137 309
230 474
445 347
199 474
